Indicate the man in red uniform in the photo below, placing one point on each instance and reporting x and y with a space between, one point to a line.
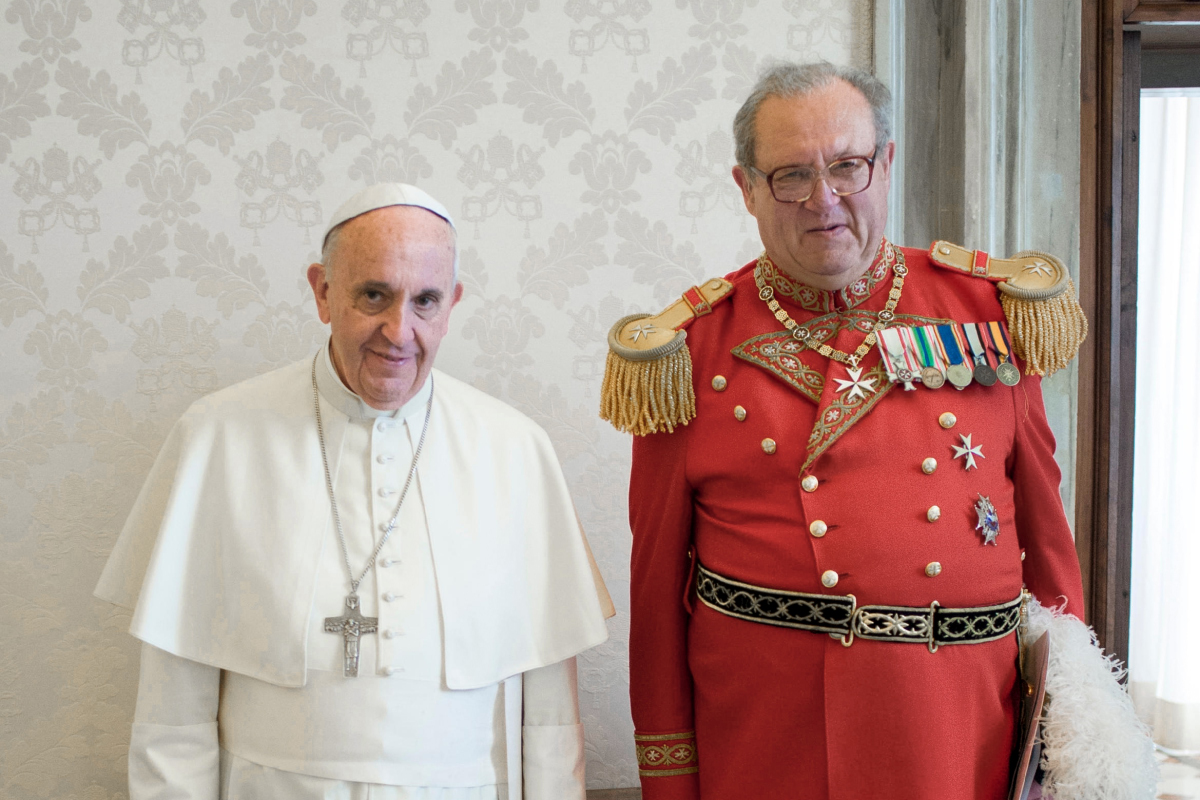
828 563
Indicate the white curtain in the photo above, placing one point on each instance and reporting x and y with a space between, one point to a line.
1164 651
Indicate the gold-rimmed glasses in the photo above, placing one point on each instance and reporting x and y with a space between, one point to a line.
796 183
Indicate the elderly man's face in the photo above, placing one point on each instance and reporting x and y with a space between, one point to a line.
388 301
826 241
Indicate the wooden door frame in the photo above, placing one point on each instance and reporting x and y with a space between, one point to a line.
1110 89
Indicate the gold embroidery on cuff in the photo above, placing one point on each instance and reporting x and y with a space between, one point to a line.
666 754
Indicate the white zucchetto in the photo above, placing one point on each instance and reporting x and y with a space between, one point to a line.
382 195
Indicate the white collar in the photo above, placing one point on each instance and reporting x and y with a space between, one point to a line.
343 399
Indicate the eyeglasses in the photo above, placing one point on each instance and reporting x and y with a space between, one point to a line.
795 184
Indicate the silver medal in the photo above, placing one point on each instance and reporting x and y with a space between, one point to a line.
1008 374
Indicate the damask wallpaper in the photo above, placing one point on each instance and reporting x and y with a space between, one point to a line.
168 166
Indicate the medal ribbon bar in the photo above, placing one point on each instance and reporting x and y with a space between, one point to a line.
958 352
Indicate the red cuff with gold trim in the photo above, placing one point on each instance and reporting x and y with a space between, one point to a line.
662 754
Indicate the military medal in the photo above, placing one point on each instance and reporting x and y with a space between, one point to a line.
984 373
989 521
931 376
960 375
1008 374
957 373
1006 371
894 354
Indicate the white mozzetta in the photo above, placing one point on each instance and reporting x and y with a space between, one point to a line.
220 554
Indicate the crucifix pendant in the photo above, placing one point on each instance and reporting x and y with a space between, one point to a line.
351 625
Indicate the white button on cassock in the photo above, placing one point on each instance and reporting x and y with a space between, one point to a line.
389 596
392 633
829 579
809 483
389 671
386 492
383 458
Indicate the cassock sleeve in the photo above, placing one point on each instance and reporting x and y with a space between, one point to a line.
1051 566
173 750
553 737
660 683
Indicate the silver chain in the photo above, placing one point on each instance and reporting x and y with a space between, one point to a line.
337 520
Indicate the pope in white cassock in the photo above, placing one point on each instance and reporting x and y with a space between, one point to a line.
356 576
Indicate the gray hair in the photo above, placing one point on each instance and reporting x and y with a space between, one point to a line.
787 79
331 241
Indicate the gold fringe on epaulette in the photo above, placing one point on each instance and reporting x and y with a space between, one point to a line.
642 397
1046 334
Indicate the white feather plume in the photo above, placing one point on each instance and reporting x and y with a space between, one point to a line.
1094 747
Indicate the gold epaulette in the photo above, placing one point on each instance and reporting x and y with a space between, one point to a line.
1045 321
648 376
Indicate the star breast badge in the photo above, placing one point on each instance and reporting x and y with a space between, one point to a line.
989 521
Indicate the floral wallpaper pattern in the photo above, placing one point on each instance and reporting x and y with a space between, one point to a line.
166 169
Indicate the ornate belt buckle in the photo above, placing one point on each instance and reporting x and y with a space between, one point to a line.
848 638
932 644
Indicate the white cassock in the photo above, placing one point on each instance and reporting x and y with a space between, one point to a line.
484 594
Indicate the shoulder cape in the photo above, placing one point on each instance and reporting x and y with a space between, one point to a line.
218 558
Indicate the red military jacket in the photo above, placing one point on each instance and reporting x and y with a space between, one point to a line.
726 708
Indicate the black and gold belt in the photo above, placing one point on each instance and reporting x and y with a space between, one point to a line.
841 617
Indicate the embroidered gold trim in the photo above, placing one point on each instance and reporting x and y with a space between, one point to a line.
810 612
821 301
663 737
678 754
933 625
666 773
670 754
842 413
802 334
779 353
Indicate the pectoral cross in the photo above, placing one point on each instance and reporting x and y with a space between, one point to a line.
351 625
